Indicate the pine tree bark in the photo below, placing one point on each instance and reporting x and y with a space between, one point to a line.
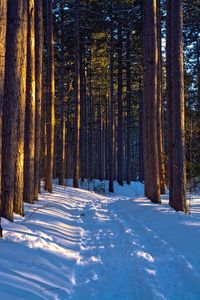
178 198
19 167
43 129
50 110
150 94
120 152
90 146
145 95
160 106
111 122
14 91
100 156
141 100
39 86
169 99
76 157
140 134
85 133
128 106
29 147
107 137
153 64
3 23
82 115
62 102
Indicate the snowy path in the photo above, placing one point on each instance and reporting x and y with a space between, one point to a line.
78 245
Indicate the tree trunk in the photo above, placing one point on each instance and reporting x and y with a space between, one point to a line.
145 95
107 137
82 115
160 107
100 156
85 158
111 123
178 198
90 151
62 103
15 73
38 76
128 106
169 99
3 23
50 115
120 152
150 94
29 149
77 98
140 138
19 167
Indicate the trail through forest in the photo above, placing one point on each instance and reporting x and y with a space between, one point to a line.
75 244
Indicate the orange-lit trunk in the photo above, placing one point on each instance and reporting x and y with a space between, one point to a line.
62 153
14 94
38 90
29 147
19 167
50 114
3 21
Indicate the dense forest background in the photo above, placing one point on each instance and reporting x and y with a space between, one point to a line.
95 18
97 90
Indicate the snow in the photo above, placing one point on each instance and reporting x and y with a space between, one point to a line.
79 245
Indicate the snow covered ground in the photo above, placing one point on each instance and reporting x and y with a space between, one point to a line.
75 244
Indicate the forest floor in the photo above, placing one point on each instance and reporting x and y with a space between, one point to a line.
79 245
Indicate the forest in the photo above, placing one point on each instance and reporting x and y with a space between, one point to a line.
100 102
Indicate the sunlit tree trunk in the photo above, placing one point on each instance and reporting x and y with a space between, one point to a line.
19 167
50 114
3 23
14 93
62 160
38 76
43 131
29 149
